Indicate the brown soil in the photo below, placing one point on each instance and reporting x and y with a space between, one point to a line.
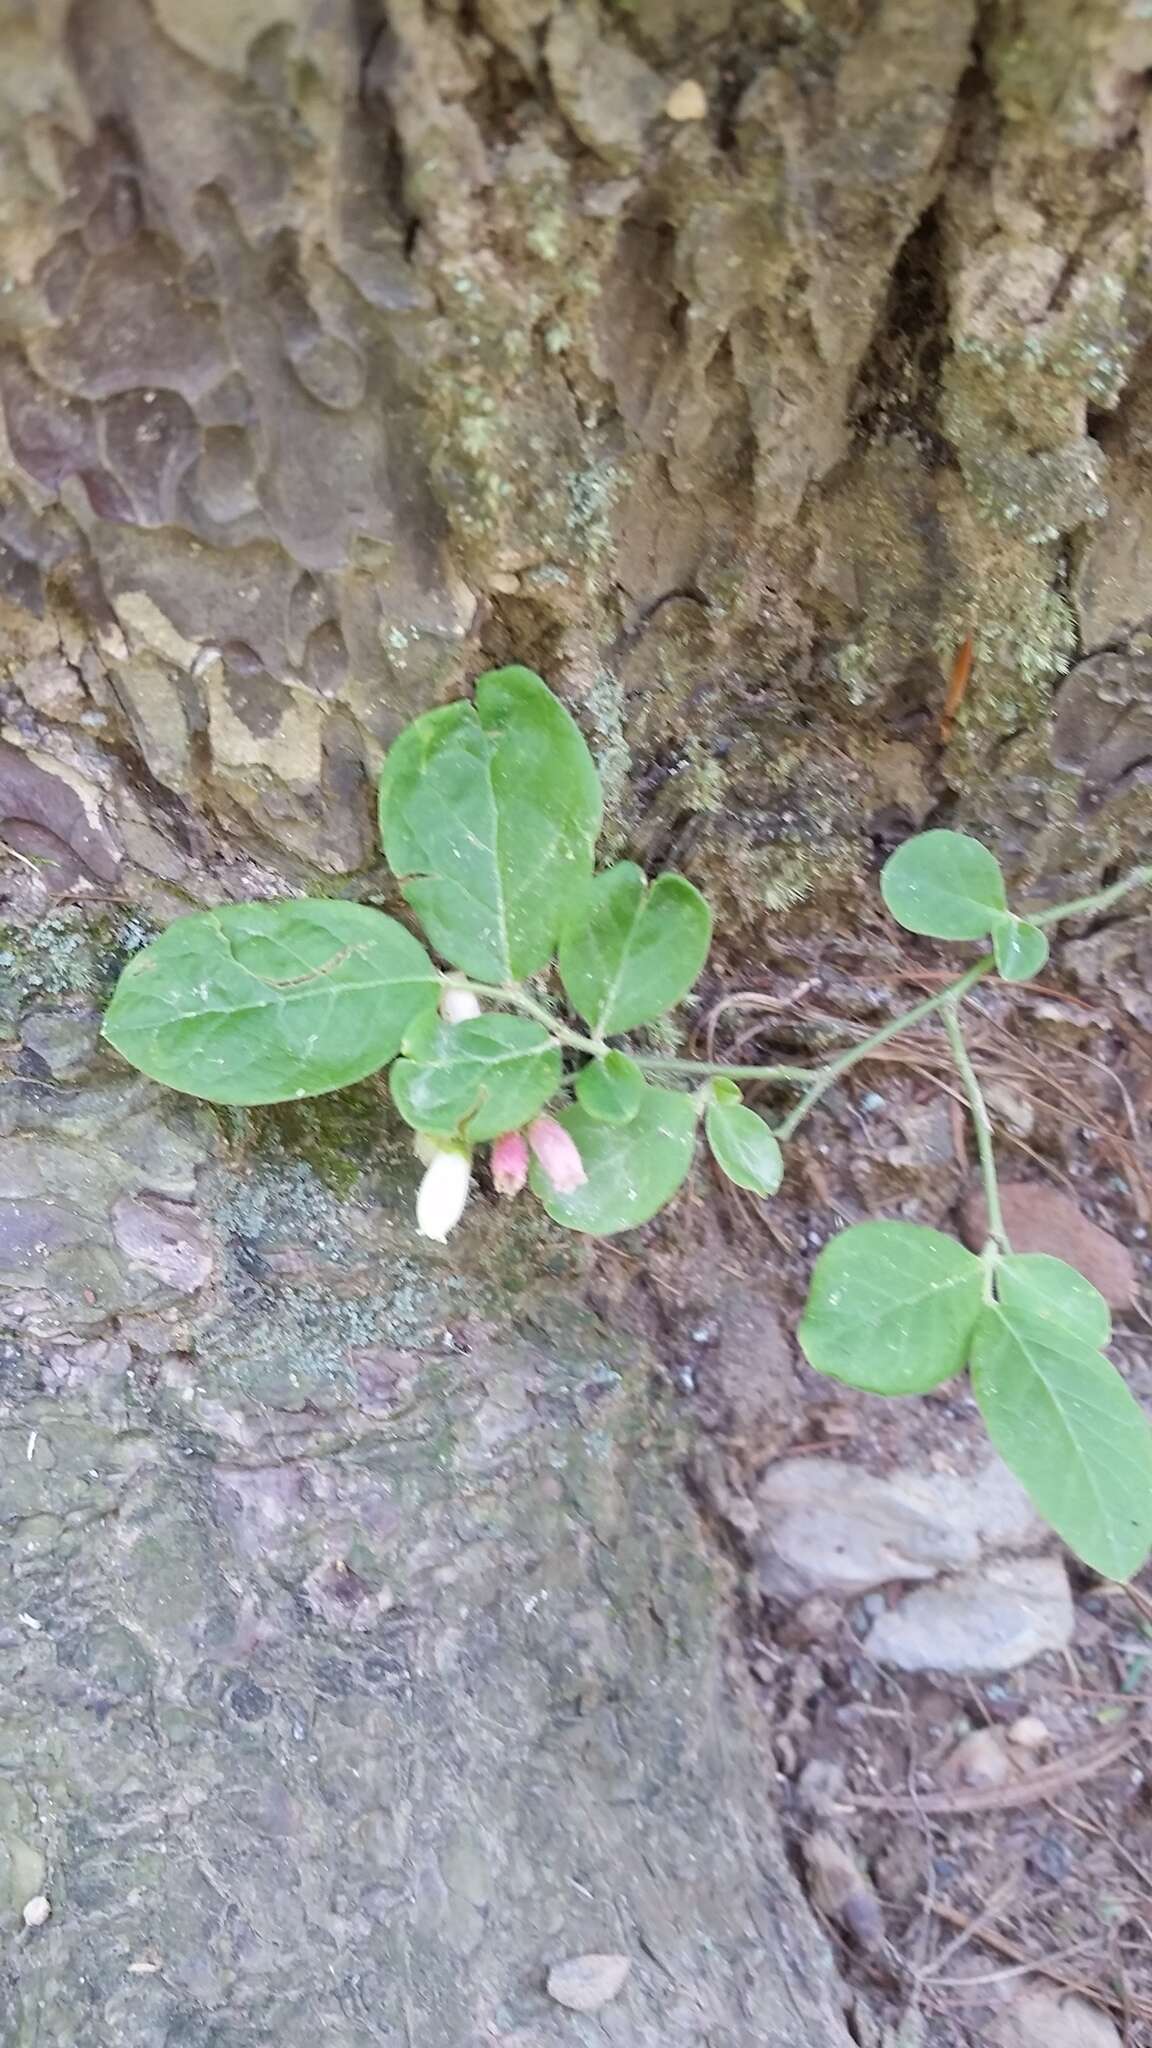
1054 1882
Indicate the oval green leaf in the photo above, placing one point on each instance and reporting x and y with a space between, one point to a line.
1062 1418
1020 948
1036 1285
488 815
744 1148
892 1308
633 1169
632 951
610 1089
476 1079
268 1002
945 886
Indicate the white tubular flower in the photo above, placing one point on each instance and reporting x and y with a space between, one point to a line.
443 1193
458 1005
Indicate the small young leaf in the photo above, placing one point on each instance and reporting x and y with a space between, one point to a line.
1036 1285
489 814
267 1002
610 1089
631 951
483 1077
892 1308
1061 1416
632 1168
724 1090
744 1147
944 885
1020 948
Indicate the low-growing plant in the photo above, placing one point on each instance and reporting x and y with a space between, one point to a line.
489 816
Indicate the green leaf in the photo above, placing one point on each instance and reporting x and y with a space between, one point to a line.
724 1090
1061 1416
1020 948
489 814
631 952
944 885
610 1089
632 1168
267 1002
1036 1285
744 1147
892 1308
479 1078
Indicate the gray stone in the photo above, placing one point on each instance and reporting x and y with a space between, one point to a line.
165 1238
64 1039
1040 2018
994 1619
830 1527
53 688
1045 1219
585 1983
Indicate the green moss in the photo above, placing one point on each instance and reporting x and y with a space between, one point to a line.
69 953
792 872
603 717
340 1136
701 782
1039 496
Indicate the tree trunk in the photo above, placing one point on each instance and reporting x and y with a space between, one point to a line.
729 361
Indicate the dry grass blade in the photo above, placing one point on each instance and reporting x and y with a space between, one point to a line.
1141 2008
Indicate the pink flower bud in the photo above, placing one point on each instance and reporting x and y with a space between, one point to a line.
458 1005
443 1193
557 1154
509 1163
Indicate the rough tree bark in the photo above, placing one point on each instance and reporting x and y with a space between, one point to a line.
729 361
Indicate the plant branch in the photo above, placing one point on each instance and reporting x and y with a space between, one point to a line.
516 999
981 1120
1084 906
666 1066
825 1076
821 1078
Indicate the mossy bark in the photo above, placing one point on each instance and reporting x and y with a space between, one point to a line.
362 1657
730 361
346 350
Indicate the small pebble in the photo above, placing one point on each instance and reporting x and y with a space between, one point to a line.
584 1983
816 1620
37 1911
686 101
979 1761
820 1787
1050 1857
840 1887
1029 1732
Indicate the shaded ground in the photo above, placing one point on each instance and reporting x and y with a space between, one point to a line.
935 1911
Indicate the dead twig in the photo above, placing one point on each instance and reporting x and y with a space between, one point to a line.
1103 1834
1141 2008
1026 1969
1125 1983
958 680
986 1917
998 1798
